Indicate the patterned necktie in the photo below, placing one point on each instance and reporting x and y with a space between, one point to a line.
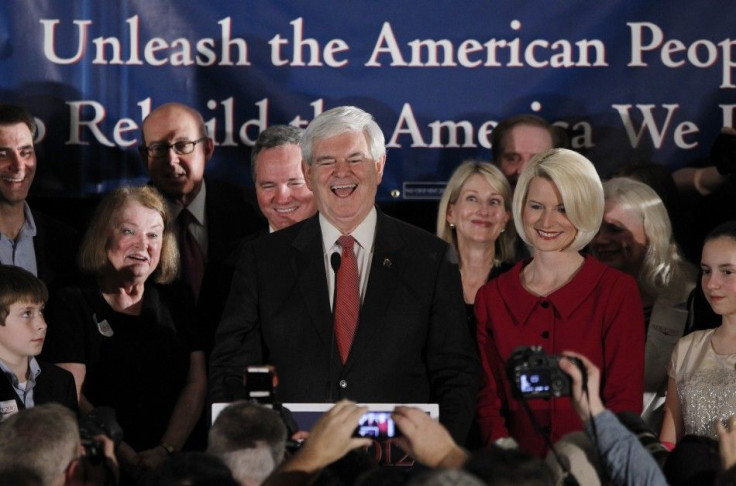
347 306
192 257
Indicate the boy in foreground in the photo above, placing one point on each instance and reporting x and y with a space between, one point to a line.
26 381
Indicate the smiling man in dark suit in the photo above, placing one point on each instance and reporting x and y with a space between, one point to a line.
398 331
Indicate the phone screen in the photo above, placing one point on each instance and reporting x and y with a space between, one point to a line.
377 425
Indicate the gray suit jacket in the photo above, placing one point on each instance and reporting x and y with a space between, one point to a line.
666 326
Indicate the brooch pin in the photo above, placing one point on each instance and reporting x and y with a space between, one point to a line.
103 326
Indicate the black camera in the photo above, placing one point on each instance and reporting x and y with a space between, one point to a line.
535 374
261 383
100 421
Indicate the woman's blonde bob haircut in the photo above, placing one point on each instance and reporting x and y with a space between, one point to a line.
663 255
504 250
579 185
93 252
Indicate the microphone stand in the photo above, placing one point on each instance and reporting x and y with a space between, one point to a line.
335 261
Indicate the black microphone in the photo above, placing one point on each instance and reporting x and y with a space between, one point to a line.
335 261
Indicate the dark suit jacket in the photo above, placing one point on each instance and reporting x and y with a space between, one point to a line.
52 385
56 246
230 218
215 290
411 345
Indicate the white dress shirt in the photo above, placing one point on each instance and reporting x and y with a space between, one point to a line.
364 236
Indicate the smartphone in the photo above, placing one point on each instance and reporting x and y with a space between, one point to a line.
377 425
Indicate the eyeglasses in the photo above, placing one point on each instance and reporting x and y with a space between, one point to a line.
161 150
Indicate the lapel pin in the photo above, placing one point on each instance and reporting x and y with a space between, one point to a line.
387 263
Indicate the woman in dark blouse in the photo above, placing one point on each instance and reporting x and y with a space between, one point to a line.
473 217
127 338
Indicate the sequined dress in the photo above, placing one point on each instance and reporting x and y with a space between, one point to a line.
706 382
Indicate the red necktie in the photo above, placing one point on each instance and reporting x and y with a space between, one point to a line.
347 306
192 257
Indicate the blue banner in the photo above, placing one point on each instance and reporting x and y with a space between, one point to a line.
629 80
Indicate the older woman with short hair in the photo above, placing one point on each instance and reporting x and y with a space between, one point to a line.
636 237
560 300
126 335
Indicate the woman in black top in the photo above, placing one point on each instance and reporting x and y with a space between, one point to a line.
473 217
128 338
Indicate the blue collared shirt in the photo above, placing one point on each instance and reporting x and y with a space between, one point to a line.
20 252
25 393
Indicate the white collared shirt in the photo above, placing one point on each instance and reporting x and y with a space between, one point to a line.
364 235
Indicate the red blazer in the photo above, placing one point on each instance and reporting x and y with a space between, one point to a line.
598 314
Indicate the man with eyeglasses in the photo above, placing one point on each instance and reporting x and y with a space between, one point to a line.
212 216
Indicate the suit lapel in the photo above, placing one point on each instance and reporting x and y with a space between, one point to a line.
308 267
385 268
42 391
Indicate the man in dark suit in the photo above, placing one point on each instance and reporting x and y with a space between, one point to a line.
212 216
28 239
283 198
407 341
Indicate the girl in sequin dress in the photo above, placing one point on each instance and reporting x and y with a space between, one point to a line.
702 370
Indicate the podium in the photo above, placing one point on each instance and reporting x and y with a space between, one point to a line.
383 449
